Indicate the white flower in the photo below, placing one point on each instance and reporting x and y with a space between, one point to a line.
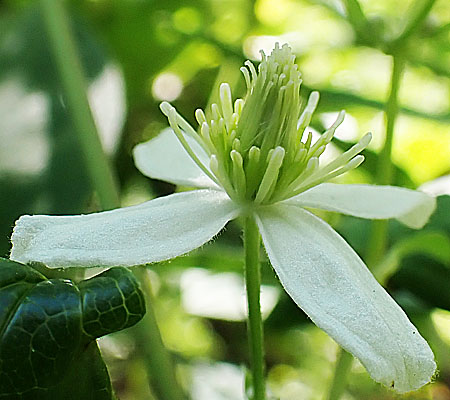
249 159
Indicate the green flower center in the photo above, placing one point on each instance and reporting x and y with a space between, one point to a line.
259 147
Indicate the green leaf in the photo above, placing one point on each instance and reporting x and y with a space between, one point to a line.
48 329
436 245
426 278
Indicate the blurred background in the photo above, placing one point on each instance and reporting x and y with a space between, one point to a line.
136 53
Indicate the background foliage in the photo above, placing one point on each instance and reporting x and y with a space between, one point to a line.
136 53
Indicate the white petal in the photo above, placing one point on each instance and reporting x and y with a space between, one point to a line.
165 158
411 207
328 280
153 231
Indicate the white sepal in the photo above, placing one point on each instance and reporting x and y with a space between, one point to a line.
164 158
328 280
411 207
157 230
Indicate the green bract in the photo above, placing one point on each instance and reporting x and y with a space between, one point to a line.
259 149
253 158
48 329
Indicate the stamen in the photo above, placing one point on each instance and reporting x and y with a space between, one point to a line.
328 135
166 108
234 121
215 136
349 154
311 167
215 111
226 102
300 156
306 116
204 131
252 169
218 170
172 117
271 173
252 69
236 145
319 151
308 141
263 55
246 74
238 106
311 182
200 116
238 172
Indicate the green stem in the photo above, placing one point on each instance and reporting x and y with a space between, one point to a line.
385 174
385 170
158 361
359 22
343 366
74 90
424 8
253 282
102 178
379 229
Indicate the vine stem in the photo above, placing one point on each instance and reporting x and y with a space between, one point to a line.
252 242
385 171
74 87
379 228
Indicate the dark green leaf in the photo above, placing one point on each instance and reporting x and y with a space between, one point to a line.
48 329
426 278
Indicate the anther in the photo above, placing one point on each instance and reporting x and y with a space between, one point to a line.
271 175
238 172
215 111
238 106
226 102
200 116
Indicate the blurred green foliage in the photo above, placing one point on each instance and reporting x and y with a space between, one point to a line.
136 53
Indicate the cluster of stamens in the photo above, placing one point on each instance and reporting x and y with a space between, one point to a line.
258 147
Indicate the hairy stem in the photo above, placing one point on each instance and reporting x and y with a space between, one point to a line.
253 284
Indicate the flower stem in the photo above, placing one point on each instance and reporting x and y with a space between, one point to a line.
74 90
253 283
159 363
102 178
343 366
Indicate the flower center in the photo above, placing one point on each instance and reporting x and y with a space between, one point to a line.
259 147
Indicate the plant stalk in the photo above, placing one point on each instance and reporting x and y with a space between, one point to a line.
74 87
158 361
343 365
379 229
252 243
385 172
